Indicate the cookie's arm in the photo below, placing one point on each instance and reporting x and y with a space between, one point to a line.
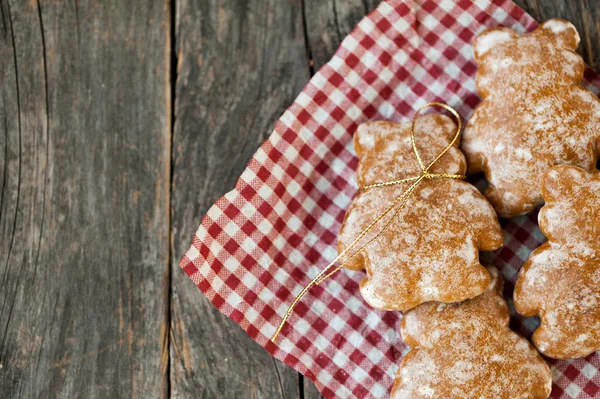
473 143
563 189
485 223
532 284
414 325
356 263
351 227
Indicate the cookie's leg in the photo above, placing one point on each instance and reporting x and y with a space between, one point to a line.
513 199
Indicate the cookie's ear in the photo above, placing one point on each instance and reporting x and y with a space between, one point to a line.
365 137
563 32
490 38
436 125
560 181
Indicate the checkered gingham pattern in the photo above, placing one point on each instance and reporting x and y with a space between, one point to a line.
262 242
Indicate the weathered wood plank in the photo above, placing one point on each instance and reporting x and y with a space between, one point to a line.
329 21
239 65
310 390
85 127
84 182
584 14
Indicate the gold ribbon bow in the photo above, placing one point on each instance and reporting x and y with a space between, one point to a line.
398 204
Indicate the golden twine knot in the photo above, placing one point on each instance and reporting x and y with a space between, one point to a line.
399 203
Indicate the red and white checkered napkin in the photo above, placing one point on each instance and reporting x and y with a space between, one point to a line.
262 242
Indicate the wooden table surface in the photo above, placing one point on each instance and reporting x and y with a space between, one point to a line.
121 123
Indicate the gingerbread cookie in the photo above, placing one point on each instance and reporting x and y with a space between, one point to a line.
467 350
534 113
560 281
430 252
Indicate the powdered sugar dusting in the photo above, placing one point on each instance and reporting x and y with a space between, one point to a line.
467 351
431 250
486 42
534 115
557 26
425 193
560 281
366 140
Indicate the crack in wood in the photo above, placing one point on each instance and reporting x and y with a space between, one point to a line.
12 236
165 363
47 138
4 166
309 54
336 20
278 378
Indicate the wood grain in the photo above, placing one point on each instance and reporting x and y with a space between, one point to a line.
101 188
85 129
239 65
329 21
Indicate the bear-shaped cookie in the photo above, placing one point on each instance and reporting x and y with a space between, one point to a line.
560 281
430 252
534 113
467 351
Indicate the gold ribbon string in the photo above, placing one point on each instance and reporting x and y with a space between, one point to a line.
399 203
